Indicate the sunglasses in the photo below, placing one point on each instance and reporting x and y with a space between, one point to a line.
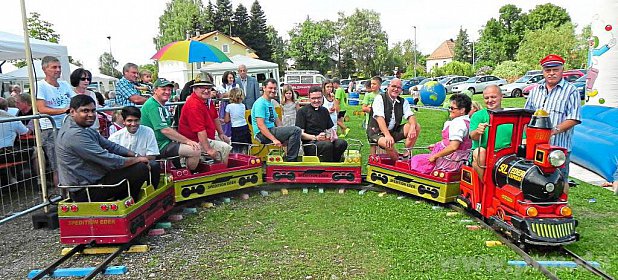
85 79
453 108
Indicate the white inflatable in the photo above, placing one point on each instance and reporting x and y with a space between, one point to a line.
602 82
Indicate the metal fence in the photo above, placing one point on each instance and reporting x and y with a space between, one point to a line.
23 184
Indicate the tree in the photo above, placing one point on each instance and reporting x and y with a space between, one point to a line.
511 70
561 41
311 45
547 15
362 36
181 17
257 39
463 47
108 64
209 17
153 68
41 29
491 49
241 22
75 62
278 47
222 19
514 28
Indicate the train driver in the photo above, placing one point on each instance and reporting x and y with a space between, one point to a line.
317 128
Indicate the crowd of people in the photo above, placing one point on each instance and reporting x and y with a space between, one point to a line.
213 123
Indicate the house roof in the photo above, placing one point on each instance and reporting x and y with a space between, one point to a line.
445 50
235 39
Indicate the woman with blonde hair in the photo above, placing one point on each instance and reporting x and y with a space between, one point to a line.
289 106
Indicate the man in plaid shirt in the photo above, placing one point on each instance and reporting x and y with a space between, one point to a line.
126 92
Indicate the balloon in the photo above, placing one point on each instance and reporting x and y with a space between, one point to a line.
593 93
608 27
601 100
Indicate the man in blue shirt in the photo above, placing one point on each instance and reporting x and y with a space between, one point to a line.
561 100
126 92
267 127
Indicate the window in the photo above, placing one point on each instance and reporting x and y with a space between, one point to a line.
225 48
319 79
216 38
306 79
293 79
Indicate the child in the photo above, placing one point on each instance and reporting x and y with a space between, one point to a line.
235 112
145 84
117 122
289 106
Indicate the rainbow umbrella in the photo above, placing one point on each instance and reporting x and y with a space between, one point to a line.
191 51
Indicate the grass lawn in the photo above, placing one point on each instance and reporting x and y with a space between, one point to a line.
352 236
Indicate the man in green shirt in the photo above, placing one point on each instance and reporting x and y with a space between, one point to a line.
479 122
341 102
156 116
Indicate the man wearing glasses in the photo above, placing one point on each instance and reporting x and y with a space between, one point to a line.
387 112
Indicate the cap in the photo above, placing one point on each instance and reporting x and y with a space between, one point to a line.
552 60
199 83
163 82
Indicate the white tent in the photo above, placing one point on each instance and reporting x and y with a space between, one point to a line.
4 78
12 47
254 67
21 74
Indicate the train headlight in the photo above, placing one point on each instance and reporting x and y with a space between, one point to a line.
550 187
532 212
566 211
557 158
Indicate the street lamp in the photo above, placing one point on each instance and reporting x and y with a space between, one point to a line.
414 51
111 57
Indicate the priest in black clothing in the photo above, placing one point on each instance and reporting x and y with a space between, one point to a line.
316 125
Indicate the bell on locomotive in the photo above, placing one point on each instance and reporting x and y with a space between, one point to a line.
537 175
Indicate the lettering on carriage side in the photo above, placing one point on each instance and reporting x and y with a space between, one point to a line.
92 222
516 174
503 168
222 184
406 184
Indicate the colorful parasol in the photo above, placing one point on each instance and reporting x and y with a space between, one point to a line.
191 51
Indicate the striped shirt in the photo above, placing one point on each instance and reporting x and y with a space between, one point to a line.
124 90
562 103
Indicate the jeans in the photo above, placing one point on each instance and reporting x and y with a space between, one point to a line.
135 174
289 134
327 151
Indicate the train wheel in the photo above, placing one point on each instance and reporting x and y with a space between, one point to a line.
242 181
384 179
350 177
186 192
254 179
335 176
292 176
200 189
500 214
374 177
276 176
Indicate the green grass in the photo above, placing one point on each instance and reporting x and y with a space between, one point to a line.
349 236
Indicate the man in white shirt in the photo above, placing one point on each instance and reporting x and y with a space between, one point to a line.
139 139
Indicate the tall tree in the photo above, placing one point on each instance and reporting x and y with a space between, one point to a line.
241 22
362 36
491 49
561 41
41 29
257 39
311 45
278 47
180 18
463 47
514 28
107 65
547 15
223 16
209 17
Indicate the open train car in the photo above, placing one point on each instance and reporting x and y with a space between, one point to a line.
241 171
309 169
114 222
438 186
522 190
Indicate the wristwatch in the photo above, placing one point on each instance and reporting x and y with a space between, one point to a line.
556 129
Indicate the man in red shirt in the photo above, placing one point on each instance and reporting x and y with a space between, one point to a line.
199 120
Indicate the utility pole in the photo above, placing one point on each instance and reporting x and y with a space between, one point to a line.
414 51
111 61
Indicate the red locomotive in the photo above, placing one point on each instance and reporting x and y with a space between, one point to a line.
522 190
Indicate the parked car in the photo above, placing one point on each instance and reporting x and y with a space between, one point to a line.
384 85
423 82
478 84
530 87
572 75
533 72
450 81
417 80
360 86
345 83
516 88
406 85
580 84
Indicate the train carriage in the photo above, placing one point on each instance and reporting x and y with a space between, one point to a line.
309 169
114 222
241 171
438 186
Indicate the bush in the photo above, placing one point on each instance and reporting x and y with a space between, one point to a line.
458 68
485 70
511 70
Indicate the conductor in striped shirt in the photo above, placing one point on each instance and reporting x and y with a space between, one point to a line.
562 101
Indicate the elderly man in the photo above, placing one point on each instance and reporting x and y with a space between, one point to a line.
86 158
24 105
156 116
387 112
561 100
139 139
53 98
249 86
267 125
127 93
199 121
479 122
316 125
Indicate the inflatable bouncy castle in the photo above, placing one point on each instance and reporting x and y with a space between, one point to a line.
595 140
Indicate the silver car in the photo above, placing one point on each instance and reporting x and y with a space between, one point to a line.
516 88
478 84
450 81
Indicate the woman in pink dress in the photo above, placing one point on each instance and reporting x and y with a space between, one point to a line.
449 153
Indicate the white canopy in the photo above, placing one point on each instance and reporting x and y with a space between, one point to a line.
254 66
6 78
21 74
12 47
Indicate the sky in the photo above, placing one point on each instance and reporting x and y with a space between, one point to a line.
84 25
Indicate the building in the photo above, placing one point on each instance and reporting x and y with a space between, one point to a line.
182 72
442 55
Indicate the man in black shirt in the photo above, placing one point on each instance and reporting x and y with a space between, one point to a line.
316 125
